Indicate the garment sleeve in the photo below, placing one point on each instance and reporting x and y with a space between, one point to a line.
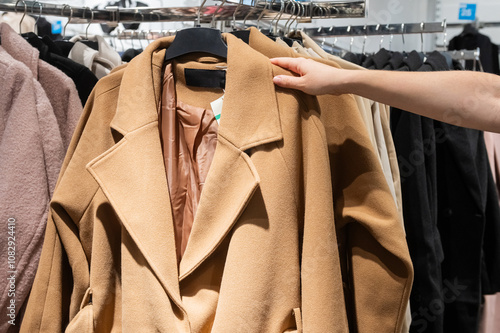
376 264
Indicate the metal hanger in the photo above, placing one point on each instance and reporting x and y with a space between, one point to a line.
39 14
391 38
302 13
445 34
262 13
403 34
352 38
291 17
24 14
422 26
278 16
90 22
250 12
69 20
212 23
364 41
234 14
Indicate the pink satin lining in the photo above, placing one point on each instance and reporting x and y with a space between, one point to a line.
189 136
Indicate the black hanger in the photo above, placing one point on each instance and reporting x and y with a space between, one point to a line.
191 40
244 35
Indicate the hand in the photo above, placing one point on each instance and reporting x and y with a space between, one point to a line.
315 78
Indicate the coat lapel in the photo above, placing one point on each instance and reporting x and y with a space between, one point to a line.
132 176
230 184
131 173
232 178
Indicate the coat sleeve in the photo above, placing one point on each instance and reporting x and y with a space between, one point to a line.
376 264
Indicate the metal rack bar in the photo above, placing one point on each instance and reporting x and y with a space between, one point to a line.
377 30
477 24
464 54
261 9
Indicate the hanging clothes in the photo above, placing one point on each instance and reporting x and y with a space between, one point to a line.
31 151
385 312
262 254
28 182
83 78
470 39
376 118
59 88
100 61
440 165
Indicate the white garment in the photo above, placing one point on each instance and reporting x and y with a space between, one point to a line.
100 61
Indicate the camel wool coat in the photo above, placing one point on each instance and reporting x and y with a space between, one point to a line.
262 255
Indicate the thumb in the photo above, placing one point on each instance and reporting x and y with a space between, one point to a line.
287 81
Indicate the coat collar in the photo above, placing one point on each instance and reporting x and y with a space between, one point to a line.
132 175
249 75
19 49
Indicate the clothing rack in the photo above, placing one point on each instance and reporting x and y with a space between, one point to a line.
464 54
377 30
265 10
476 23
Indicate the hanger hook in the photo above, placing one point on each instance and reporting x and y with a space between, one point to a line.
39 14
291 15
90 22
262 13
212 23
403 33
302 14
388 27
422 26
198 15
349 28
135 32
444 33
250 12
24 14
278 17
234 14
70 17
365 29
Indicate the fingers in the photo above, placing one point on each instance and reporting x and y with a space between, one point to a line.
288 63
286 81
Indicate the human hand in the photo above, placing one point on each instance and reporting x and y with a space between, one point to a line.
315 78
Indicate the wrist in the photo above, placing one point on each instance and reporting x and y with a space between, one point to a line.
351 81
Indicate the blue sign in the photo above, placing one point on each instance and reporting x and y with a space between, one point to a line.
56 28
467 11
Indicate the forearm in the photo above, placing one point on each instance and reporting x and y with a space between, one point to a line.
462 98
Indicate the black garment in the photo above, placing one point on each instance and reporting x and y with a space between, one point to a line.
452 216
44 27
378 61
415 140
354 58
470 39
83 78
467 204
395 61
130 54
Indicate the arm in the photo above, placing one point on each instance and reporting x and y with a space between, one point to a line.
462 98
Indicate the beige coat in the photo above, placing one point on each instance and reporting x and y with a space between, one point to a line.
263 252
